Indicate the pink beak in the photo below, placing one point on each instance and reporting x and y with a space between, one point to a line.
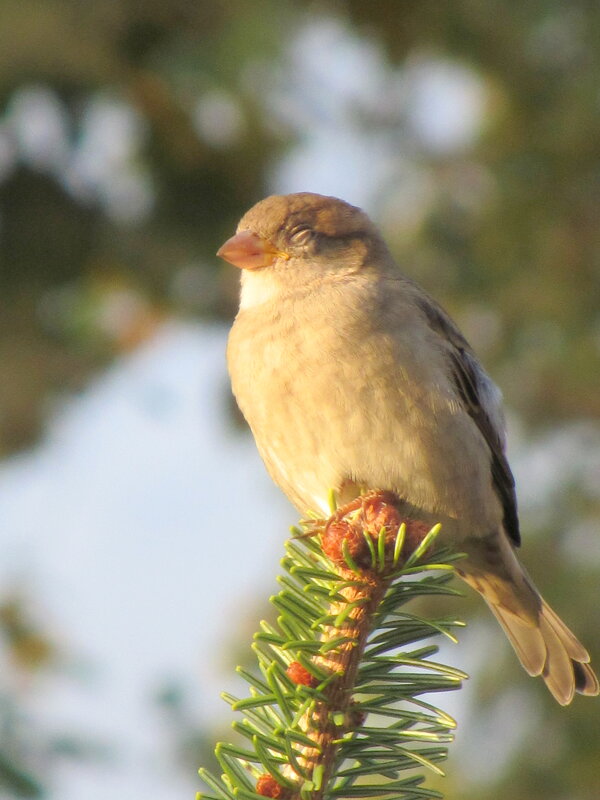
247 250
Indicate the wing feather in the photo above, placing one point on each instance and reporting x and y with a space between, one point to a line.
481 400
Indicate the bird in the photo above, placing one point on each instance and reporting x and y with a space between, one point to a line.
352 378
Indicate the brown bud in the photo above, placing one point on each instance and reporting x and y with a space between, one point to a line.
300 675
369 515
269 787
416 531
380 511
340 531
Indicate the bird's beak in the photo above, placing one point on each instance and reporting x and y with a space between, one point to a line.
247 250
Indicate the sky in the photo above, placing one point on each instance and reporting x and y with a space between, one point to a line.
141 525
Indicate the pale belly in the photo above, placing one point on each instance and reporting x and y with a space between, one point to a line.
329 416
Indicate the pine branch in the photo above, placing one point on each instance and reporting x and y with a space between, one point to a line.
336 709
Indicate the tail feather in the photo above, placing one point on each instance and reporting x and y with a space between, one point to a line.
586 681
558 672
551 650
543 643
525 638
570 642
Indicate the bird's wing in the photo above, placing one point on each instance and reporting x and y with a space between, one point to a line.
482 401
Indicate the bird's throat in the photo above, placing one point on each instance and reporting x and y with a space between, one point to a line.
258 288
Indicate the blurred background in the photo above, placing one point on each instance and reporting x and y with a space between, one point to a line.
139 533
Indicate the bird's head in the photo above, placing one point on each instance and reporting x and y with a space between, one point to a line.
297 239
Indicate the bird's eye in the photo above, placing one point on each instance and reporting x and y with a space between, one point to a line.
301 234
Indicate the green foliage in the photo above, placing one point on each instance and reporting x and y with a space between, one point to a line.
381 724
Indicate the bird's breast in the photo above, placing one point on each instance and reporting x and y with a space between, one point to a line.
334 397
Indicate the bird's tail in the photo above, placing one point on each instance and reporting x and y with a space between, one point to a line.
544 644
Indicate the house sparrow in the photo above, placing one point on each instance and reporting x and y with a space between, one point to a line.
352 378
